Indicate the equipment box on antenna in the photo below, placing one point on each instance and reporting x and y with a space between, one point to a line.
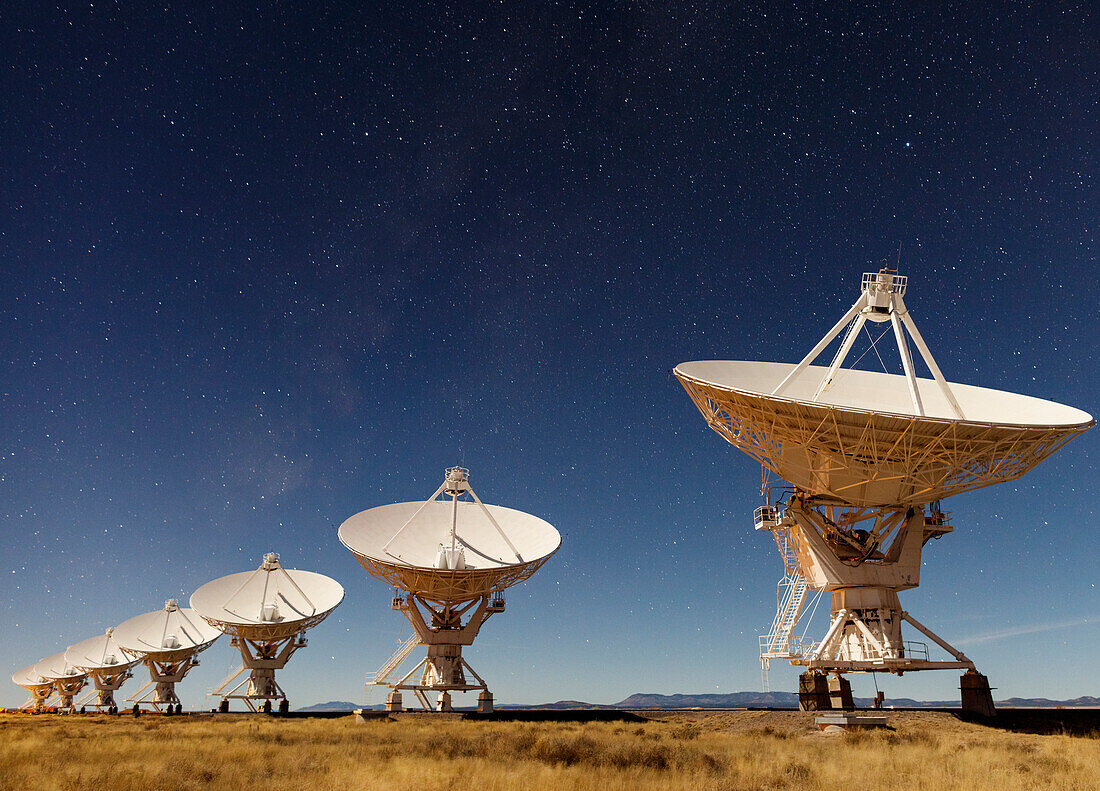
766 517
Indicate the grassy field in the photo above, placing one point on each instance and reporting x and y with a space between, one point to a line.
711 752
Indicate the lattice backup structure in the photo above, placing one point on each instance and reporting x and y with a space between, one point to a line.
867 457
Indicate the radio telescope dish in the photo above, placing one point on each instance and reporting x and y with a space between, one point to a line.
67 680
106 663
40 687
167 642
267 612
447 556
862 443
869 456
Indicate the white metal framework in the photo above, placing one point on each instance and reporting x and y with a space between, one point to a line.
39 699
444 669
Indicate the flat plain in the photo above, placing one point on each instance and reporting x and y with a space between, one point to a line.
675 750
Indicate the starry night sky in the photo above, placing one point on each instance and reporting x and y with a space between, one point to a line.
267 267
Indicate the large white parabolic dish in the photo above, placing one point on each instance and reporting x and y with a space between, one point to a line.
170 634
861 442
269 603
58 669
29 678
409 561
100 653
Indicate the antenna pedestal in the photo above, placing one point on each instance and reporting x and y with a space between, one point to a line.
39 698
106 684
66 689
261 658
159 693
443 670
863 557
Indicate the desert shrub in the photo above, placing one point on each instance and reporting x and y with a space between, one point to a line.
688 731
798 772
565 749
768 732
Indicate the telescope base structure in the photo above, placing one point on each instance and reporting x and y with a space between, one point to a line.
39 699
65 690
103 695
443 670
260 658
864 569
159 692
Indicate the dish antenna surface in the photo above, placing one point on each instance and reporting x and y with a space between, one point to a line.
106 663
868 456
167 642
67 680
40 687
266 612
448 559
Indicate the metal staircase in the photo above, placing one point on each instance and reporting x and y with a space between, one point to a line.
790 596
398 657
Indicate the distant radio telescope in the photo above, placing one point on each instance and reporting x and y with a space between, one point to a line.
167 642
40 687
267 613
67 680
107 665
866 458
448 559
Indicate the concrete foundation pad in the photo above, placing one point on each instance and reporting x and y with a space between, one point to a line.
846 720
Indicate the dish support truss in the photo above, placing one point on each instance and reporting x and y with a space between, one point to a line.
159 692
864 558
439 626
105 682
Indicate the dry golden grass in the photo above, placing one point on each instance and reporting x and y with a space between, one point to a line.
711 752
